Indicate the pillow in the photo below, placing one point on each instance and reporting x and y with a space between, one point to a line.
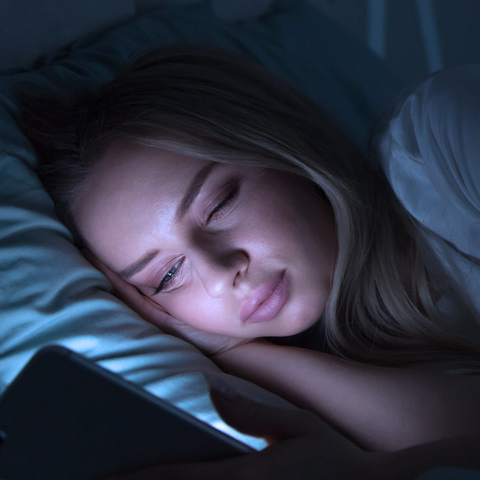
31 28
49 294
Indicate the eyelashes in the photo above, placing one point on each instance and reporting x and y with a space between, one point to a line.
170 280
221 208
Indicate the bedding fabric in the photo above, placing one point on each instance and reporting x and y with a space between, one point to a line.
450 474
49 294
31 28
430 153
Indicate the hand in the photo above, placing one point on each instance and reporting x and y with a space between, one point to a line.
209 343
302 447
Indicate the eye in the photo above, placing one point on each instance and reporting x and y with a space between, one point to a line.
169 280
216 213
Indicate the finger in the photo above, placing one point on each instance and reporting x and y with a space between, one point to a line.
149 310
130 295
123 289
89 255
257 419
95 261
113 278
118 283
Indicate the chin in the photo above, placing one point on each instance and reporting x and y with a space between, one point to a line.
300 324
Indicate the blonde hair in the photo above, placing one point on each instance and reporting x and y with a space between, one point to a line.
212 105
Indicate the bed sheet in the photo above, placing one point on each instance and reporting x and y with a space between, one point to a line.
450 474
429 153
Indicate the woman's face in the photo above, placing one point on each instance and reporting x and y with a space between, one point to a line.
247 252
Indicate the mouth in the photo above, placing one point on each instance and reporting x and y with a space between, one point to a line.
267 300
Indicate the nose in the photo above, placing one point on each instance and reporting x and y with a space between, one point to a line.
220 271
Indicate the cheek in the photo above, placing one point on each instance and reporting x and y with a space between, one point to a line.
194 308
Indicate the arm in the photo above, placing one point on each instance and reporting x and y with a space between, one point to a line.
380 408
307 448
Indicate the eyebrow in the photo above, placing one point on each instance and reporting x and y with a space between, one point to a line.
194 189
139 265
191 193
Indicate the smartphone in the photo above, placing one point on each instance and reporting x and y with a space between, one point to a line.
66 418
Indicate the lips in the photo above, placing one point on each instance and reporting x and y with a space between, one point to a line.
267 300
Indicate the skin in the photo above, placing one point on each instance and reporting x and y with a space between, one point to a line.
304 447
246 226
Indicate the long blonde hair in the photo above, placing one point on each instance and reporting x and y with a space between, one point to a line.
215 106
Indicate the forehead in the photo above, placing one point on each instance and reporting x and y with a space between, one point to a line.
129 189
125 162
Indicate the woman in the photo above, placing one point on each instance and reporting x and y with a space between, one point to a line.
226 208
